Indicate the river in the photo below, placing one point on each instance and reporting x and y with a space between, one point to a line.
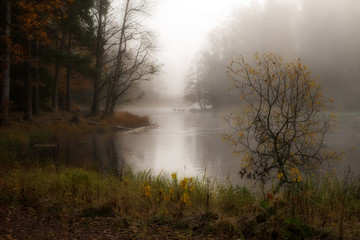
189 143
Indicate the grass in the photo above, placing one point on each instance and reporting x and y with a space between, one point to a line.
309 210
316 208
127 119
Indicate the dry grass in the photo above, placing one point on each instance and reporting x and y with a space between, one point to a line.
127 119
309 210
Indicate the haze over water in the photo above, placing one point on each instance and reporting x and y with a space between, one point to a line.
190 143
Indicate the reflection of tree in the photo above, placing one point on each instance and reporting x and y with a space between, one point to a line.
115 161
96 150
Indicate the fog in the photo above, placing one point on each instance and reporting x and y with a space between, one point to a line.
324 34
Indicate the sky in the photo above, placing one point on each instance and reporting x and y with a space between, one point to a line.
182 27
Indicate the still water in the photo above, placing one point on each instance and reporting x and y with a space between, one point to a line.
189 143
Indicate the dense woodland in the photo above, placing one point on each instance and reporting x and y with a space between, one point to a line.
63 55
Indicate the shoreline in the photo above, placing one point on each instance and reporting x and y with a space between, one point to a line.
140 205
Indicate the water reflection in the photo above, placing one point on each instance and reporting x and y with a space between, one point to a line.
96 151
189 143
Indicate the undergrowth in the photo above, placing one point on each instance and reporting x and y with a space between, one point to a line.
307 210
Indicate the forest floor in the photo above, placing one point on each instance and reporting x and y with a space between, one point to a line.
35 222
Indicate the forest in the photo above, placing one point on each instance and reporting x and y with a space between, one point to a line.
71 54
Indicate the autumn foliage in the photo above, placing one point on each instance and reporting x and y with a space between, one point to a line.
280 132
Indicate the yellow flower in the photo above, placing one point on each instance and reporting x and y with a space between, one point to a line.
184 183
185 199
173 175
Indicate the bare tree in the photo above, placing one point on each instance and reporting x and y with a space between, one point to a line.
280 133
106 29
133 62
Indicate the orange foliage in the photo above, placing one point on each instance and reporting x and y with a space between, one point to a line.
36 15
128 120
31 19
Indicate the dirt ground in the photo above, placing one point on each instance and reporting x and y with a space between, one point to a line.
31 223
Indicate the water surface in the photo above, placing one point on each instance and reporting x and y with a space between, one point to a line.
189 143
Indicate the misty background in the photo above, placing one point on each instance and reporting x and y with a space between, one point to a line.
192 34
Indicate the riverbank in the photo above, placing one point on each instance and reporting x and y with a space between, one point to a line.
44 202
38 140
40 200
82 121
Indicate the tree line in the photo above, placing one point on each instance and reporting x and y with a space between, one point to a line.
53 49
324 35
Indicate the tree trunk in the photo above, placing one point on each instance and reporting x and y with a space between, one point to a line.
99 62
68 79
96 97
27 70
5 78
110 100
112 107
36 79
111 95
56 76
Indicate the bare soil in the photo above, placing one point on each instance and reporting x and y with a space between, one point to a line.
24 222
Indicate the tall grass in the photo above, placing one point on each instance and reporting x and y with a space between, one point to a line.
312 208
